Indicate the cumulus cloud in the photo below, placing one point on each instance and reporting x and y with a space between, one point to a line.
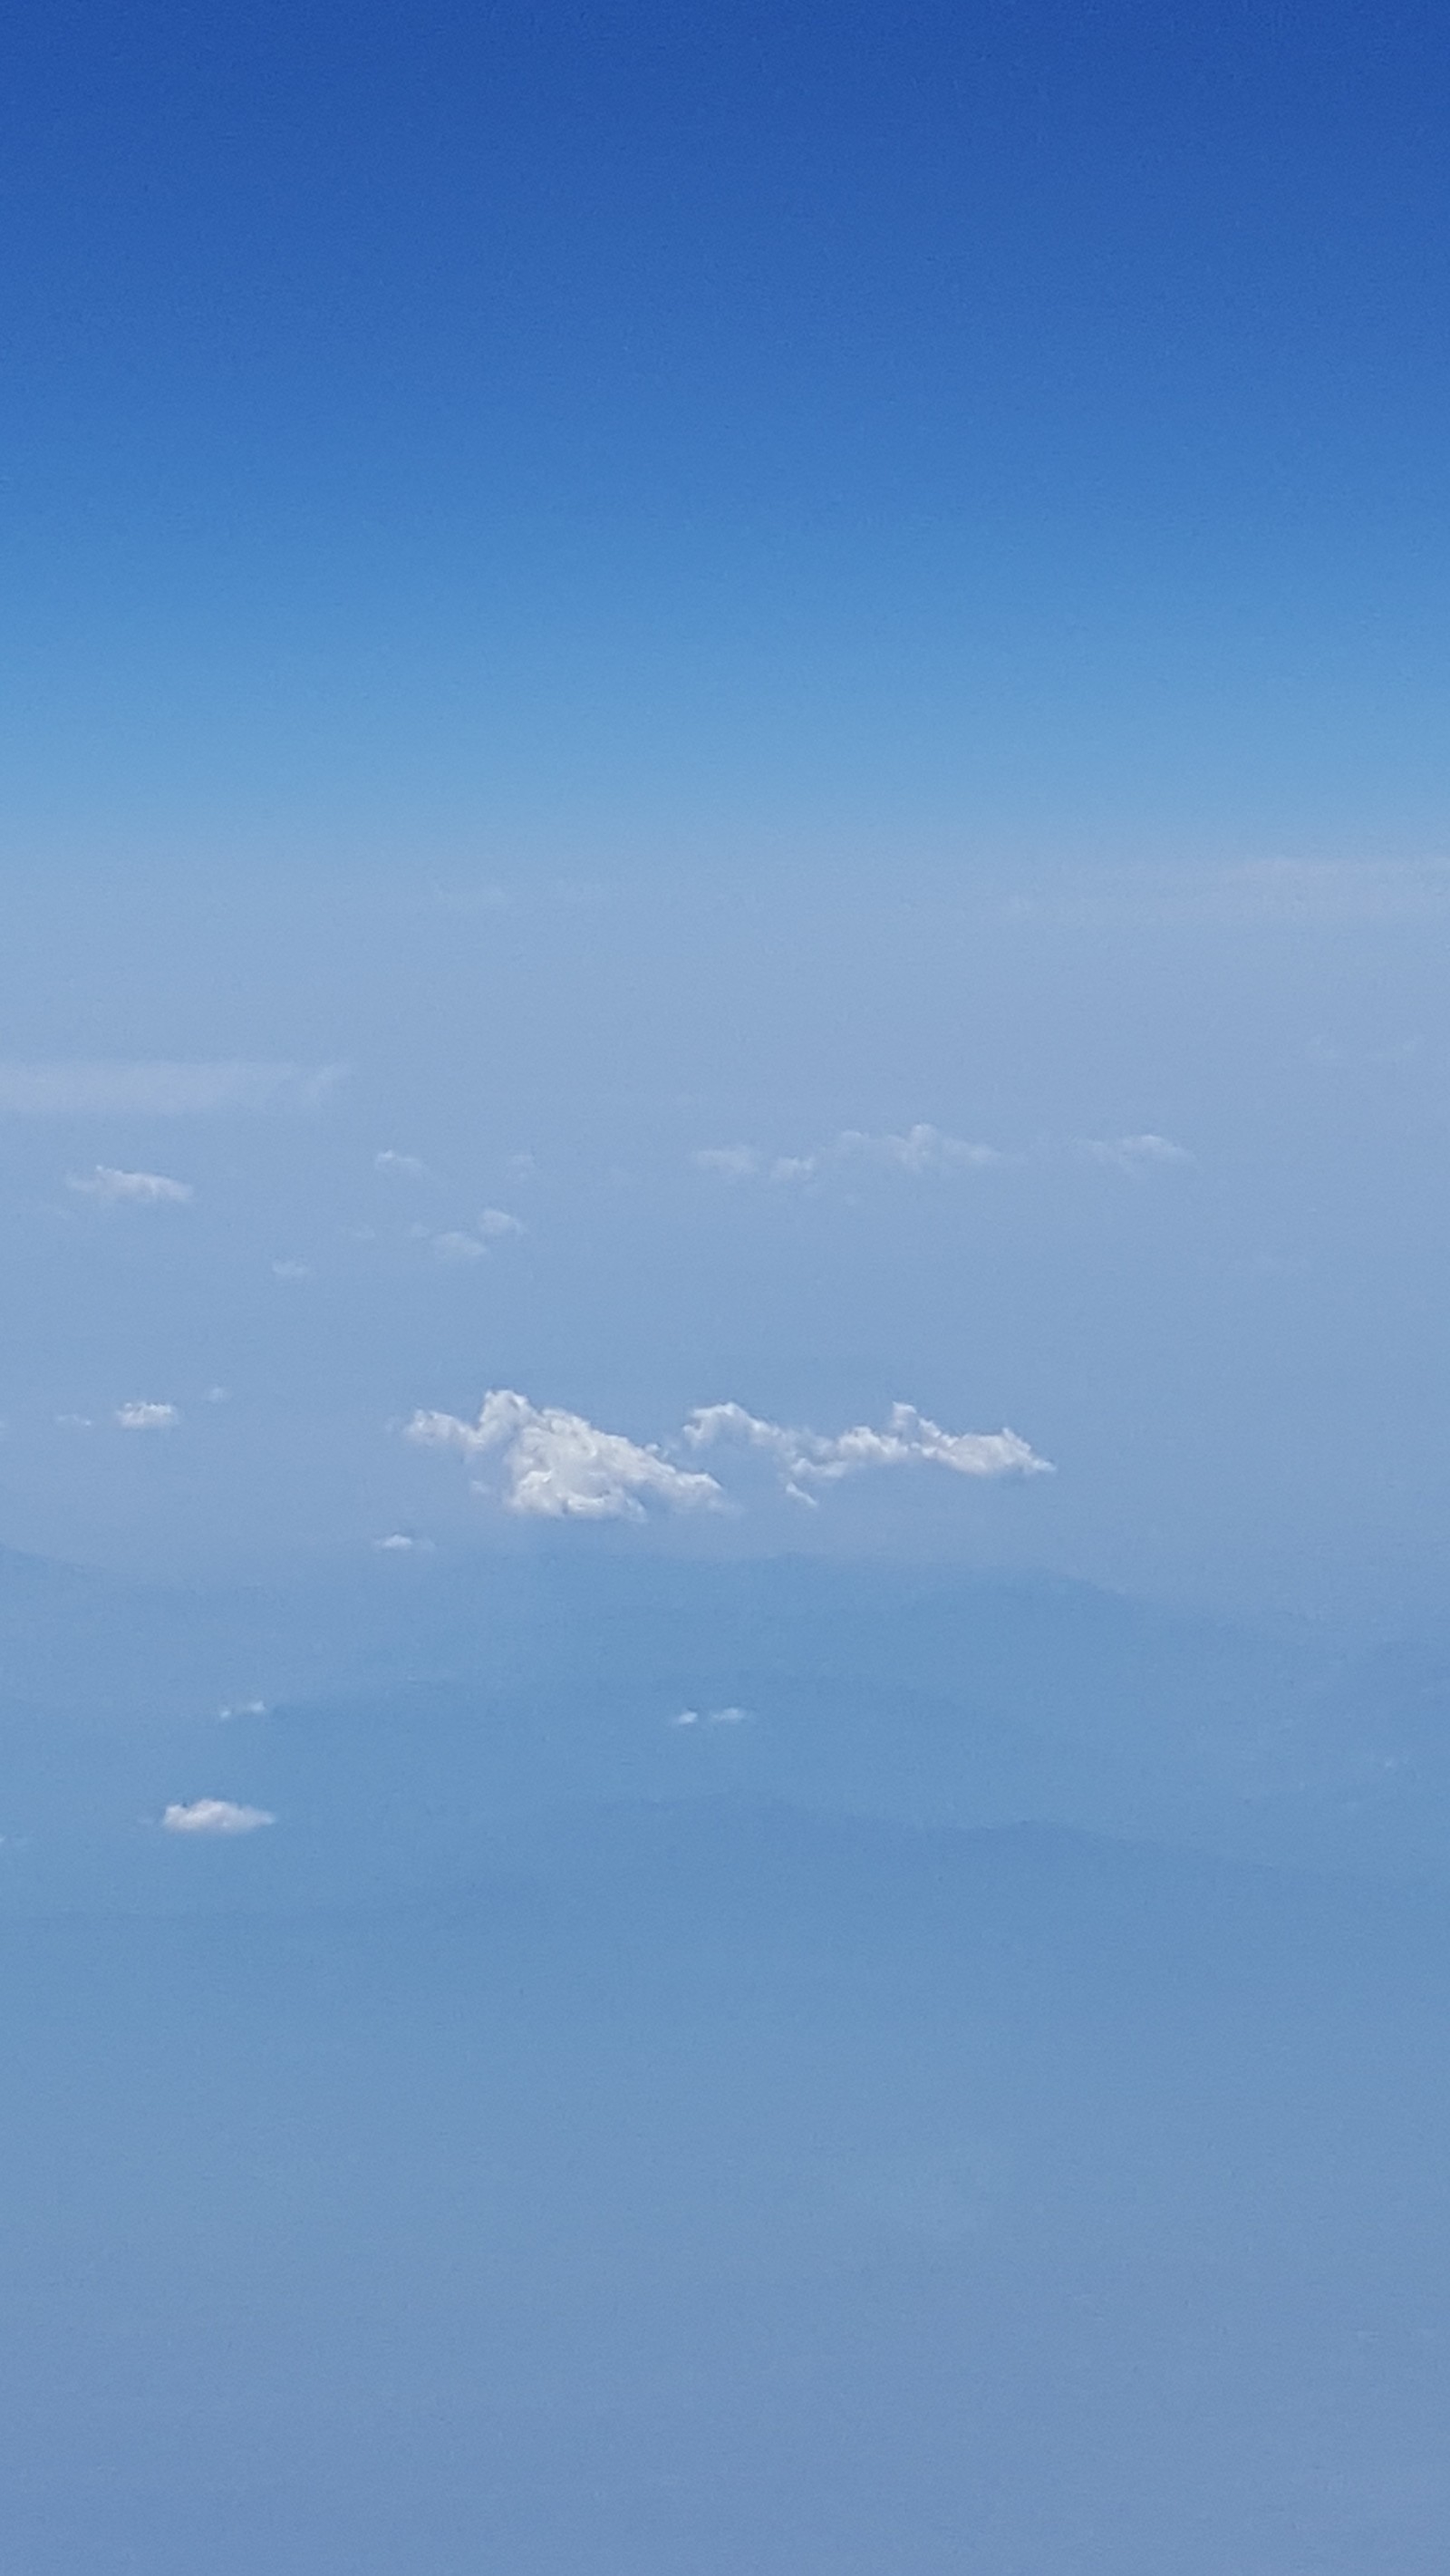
1137 1155
557 1466
805 1458
214 1816
130 1189
920 1150
147 1417
106 1088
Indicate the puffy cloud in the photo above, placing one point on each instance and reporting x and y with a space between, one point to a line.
805 1458
558 1466
214 1816
147 1417
1137 1155
920 1150
130 1189
117 1089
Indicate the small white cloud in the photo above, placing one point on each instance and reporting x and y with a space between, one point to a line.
455 1246
214 1816
119 1089
147 1417
75 1422
403 1167
687 1717
919 1150
806 1458
1137 1155
244 1708
496 1223
712 1717
398 1543
291 1270
130 1189
558 1466
217 1395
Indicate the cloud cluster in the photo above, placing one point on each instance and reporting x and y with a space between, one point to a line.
117 1089
214 1816
921 1149
130 1189
559 1466
806 1458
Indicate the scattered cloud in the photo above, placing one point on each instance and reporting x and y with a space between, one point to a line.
1137 1155
558 1466
130 1189
147 1417
403 1167
495 1225
712 1717
920 1150
75 1422
805 1458
115 1088
214 1816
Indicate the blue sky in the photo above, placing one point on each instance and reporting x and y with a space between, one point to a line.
724 1099
641 587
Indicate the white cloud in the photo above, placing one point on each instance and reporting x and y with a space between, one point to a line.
147 1417
712 1717
558 1466
495 1223
1137 1155
805 1458
134 1189
214 1816
920 1150
398 1543
244 1708
403 1167
117 1089
459 1247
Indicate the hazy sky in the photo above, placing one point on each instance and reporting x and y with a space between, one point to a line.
772 687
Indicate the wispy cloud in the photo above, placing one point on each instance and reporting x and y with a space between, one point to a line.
494 1225
130 1189
918 1150
214 1816
402 1167
398 1543
1137 1155
116 1088
559 1466
147 1417
294 1271
712 1717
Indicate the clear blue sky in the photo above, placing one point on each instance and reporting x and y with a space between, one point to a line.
652 583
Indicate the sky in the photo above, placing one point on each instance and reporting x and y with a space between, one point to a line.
616 590
724 1100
